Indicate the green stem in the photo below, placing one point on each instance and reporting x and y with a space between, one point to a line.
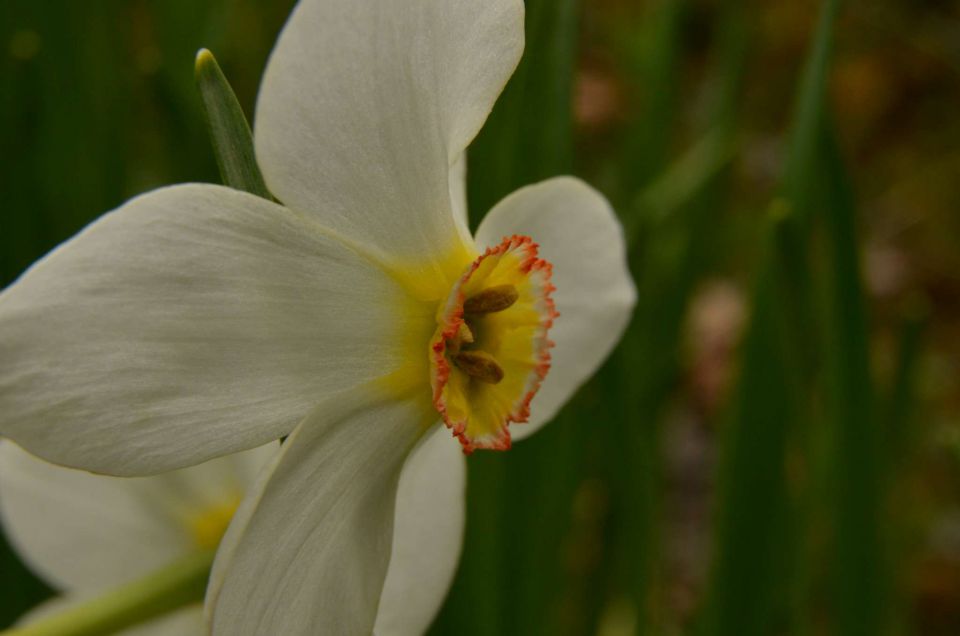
170 588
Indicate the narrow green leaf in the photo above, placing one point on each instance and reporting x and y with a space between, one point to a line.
903 392
752 508
654 52
673 236
899 442
229 130
808 114
859 571
633 383
681 183
756 569
802 192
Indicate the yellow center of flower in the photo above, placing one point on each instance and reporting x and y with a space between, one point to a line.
208 524
490 350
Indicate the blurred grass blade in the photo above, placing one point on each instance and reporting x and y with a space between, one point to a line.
681 183
229 130
808 114
749 562
675 215
858 557
754 571
673 234
903 391
654 54
898 445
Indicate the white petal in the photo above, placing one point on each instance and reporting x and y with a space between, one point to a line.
580 235
192 322
183 622
427 536
308 550
82 532
365 105
188 491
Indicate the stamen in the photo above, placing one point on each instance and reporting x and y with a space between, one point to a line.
464 333
479 365
491 299
489 352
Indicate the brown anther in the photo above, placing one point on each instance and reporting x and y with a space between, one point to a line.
491 299
479 365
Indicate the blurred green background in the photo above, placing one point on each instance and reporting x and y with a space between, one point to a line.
775 447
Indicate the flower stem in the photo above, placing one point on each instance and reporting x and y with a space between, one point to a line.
172 587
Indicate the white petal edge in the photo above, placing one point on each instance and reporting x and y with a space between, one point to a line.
82 532
427 536
581 236
183 622
365 106
192 322
308 550
458 192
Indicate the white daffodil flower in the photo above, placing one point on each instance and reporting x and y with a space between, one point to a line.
85 534
196 321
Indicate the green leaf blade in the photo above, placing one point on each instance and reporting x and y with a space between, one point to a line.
229 131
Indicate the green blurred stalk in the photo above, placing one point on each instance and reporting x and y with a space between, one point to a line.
757 572
752 508
675 237
898 442
802 189
649 357
673 191
653 57
902 398
630 385
799 183
859 579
